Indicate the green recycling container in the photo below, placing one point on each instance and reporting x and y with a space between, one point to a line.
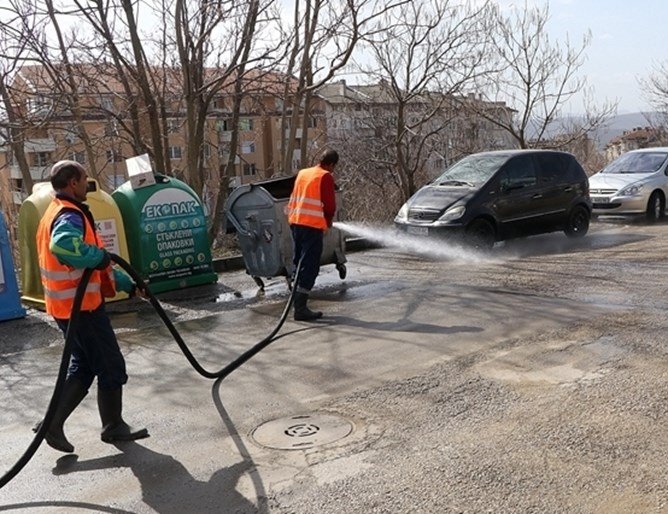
166 233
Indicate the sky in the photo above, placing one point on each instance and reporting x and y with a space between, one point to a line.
628 39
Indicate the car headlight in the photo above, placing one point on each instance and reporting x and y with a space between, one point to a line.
631 190
454 213
402 215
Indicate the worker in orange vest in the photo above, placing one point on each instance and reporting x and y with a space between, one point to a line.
310 213
67 243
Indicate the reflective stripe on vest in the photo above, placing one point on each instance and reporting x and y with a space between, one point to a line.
305 206
70 293
59 281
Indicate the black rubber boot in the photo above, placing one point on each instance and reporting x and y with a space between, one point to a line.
302 312
110 404
73 392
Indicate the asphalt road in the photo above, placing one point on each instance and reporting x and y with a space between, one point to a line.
531 380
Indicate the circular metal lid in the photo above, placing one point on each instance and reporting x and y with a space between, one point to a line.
302 431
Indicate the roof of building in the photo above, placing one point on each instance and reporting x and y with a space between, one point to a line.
104 78
637 134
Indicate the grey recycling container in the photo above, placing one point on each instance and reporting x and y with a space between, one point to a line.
257 212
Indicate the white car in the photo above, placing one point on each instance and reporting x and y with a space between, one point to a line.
634 183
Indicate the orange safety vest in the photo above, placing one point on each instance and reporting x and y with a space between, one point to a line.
59 280
305 206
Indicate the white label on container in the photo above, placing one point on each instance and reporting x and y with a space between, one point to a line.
106 229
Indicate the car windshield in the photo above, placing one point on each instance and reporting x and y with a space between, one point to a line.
637 162
473 170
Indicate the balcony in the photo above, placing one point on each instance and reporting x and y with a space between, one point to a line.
36 172
225 157
39 145
298 133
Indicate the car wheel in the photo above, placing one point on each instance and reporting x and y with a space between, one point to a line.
480 234
578 222
656 207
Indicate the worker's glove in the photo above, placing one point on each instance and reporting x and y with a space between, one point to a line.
106 260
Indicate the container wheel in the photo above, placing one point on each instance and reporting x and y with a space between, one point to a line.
342 271
259 282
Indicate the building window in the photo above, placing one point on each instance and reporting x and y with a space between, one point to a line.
219 104
38 103
247 147
70 136
249 169
206 150
113 181
246 124
111 129
312 122
114 156
174 152
173 125
79 157
106 103
40 159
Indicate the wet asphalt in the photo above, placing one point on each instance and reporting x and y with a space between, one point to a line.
532 379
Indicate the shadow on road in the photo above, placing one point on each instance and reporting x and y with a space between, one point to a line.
402 325
167 486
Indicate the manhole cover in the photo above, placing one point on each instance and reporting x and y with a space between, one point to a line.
300 432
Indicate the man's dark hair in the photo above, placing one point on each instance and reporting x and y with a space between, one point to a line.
64 171
329 157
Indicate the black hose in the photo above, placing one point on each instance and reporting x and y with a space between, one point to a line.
62 375
179 340
67 352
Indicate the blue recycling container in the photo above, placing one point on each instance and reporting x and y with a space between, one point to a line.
10 301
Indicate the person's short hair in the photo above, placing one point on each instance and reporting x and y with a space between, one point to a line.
64 171
329 157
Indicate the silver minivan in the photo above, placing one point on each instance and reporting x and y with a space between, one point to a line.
634 183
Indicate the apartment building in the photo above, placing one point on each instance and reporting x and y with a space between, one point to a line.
638 137
93 126
365 114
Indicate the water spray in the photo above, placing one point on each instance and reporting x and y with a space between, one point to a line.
428 247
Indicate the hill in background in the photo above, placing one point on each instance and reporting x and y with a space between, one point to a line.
613 127
618 124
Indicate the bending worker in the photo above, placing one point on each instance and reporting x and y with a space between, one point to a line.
67 243
310 213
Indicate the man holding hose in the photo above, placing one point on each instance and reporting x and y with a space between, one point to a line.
311 210
67 243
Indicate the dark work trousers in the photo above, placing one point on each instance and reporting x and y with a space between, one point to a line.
307 243
95 351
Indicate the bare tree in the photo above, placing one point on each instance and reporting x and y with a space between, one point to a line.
321 40
655 89
17 23
537 78
419 58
